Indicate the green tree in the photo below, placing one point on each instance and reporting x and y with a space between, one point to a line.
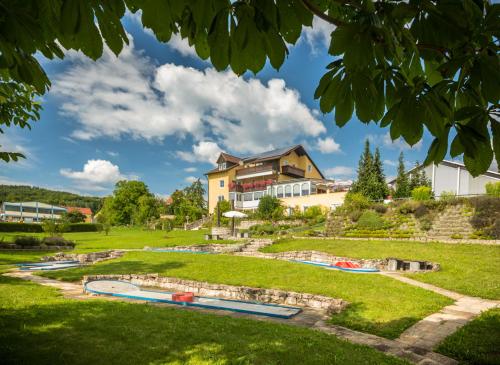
195 194
74 216
123 206
269 207
380 188
365 172
402 182
408 65
147 209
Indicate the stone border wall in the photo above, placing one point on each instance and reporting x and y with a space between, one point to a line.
211 247
416 239
14 247
274 296
91 257
388 264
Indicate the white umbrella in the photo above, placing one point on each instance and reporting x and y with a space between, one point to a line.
234 214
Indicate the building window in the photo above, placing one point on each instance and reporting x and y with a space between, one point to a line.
296 190
280 192
248 197
221 183
232 196
309 168
220 198
288 191
222 166
257 195
305 189
285 163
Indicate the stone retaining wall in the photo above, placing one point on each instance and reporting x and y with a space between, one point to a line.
211 247
388 264
320 302
85 257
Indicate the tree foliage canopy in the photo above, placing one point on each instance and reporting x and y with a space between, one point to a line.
407 65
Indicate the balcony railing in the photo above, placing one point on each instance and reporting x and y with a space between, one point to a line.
254 170
292 171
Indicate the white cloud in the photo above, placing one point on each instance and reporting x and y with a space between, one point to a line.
204 151
96 175
319 35
129 96
328 145
390 163
191 179
113 153
190 169
343 171
398 144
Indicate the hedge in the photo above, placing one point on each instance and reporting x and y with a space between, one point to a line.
37 228
85 227
20 227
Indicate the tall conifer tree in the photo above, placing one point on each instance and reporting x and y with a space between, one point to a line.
402 182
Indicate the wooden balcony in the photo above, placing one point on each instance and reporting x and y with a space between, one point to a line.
255 170
292 171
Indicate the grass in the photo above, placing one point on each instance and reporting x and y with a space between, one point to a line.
122 237
41 327
470 269
476 343
9 258
380 305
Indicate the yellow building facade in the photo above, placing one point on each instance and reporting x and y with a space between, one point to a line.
287 173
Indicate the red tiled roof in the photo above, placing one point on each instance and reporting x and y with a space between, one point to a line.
86 211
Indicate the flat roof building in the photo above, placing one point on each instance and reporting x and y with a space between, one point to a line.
29 212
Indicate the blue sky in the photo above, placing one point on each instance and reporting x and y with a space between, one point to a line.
159 114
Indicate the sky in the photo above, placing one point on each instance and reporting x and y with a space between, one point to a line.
159 114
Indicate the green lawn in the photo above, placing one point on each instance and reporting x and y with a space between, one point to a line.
40 327
477 343
121 237
380 305
9 258
470 269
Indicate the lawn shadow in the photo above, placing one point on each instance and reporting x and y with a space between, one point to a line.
352 318
99 332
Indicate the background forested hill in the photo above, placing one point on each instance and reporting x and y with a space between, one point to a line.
16 193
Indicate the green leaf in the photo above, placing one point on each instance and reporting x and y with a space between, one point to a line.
218 40
456 148
345 103
275 48
330 95
201 46
480 160
437 150
290 25
490 77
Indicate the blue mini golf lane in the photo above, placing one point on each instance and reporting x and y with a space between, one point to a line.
328 266
128 290
49 265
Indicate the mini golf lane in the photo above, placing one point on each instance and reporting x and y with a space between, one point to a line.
128 290
333 267
49 265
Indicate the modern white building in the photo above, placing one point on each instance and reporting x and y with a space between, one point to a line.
453 177
29 212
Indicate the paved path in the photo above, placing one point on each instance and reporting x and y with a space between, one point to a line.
433 329
313 319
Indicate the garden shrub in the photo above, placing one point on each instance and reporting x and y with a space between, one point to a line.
407 207
57 241
20 227
313 212
493 189
456 236
267 207
425 223
355 214
447 196
421 211
421 193
27 241
84 227
356 201
380 208
370 220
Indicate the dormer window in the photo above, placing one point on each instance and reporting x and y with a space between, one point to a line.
222 166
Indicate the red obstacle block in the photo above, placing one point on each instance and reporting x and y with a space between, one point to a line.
347 265
183 297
